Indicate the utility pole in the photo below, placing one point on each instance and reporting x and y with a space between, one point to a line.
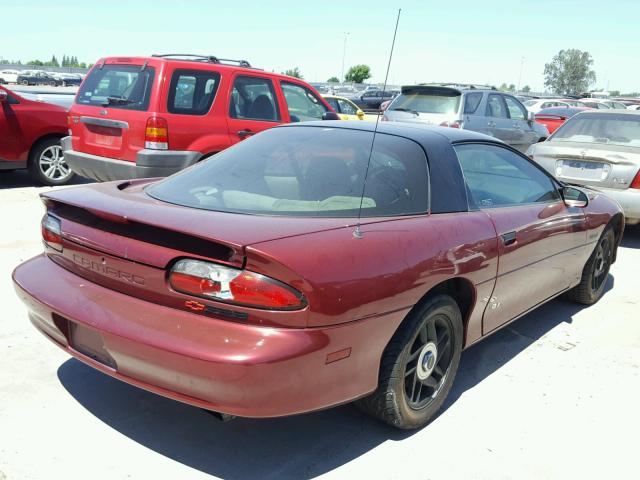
344 54
520 76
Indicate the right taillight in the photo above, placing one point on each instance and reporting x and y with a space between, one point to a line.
635 183
52 232
231 285
156 134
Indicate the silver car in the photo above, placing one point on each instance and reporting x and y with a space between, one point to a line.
478 108
599 149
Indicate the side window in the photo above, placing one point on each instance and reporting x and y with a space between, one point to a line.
303 105
498 177
347 108
516 111
334 104
472 102
191 92
496 107
254 98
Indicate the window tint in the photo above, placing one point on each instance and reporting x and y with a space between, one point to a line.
317 171
471 102
334 104
346 107
427 103
191 92
118 86
496 107
498 177
516 111
254 98
303 105
603 128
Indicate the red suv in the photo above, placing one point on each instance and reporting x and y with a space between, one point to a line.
30 134
137 117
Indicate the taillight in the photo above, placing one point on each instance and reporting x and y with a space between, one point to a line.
52 232
240 287
635 183
156 135
454 124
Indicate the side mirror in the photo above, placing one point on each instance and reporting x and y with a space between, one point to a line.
360 114
3 96
330 116
531 116
574 197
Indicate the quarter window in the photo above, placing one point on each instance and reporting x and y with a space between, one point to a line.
254 98
471 102
516 111
347 108
303 105
191 92
498 177
496 107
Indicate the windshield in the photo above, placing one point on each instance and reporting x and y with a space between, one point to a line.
614 129
306 171
117 86
427 103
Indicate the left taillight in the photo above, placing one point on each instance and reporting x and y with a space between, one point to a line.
232 285
52 232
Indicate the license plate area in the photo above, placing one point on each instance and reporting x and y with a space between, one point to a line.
104 136
582 170
85 340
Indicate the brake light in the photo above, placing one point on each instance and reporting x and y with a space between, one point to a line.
240 287
156 135
52 232
635 183
454 124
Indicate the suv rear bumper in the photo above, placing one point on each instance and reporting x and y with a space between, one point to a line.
149 163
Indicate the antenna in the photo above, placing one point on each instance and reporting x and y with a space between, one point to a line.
357 233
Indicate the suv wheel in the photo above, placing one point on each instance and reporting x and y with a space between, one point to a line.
47 165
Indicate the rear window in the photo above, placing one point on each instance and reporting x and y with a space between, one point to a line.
601 128
309 172
191 92
117 86
427 103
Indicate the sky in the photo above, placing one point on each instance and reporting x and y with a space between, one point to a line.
466 41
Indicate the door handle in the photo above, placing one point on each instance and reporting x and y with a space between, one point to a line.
517 126
508 238
491 124
245 133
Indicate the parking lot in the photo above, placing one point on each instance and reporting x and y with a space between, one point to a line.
554 395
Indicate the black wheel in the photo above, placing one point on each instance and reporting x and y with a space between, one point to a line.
25 82
47 165
595 272
419 365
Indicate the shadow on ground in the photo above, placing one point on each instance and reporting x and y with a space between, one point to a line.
303 446
631 237
21 178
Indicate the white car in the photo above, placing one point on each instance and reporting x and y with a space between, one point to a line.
9 76
535 105
633 107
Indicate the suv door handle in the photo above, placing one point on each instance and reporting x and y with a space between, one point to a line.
508 238
245 133
517 126
491 123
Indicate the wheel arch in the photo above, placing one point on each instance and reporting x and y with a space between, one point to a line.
617 223
42 138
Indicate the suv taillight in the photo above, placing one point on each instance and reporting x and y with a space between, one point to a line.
635 183
52 232
156 135
230 285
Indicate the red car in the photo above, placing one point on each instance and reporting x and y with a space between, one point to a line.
152 116
30 134
274 280
553 117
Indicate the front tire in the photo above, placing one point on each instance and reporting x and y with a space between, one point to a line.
595 271
418 366
47 165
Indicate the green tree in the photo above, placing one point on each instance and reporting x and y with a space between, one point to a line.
54 61
293 72
512 88
503 87
333 80
358 74
526 89
614 93
569 72
36 63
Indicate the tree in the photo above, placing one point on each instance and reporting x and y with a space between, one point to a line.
511 88
293 72
358 74
503 87
333 80
569 72
54 61
526 89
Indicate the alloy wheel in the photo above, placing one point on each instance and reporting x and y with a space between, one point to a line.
52 164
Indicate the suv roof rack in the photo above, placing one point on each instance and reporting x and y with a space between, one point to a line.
204 58
469 86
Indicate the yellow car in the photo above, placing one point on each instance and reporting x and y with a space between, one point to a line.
347 110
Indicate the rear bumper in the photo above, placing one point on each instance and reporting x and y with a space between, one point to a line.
149 163
220 365
629 200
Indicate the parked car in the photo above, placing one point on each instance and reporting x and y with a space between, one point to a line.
372 99
152 116
9 76
552 118
30 134
595 103
346 109
273 280
599 149
66 79
483 110
535 105
633 107
38 78
615 104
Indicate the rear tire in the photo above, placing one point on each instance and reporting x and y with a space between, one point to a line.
47 165
418 366
595 271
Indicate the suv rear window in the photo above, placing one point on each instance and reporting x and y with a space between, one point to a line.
117 86
191 92
425 102
307 172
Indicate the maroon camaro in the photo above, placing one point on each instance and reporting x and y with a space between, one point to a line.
305 267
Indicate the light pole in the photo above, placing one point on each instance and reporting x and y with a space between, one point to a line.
344 54
520 76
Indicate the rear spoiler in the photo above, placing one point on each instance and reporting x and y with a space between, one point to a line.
432 90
